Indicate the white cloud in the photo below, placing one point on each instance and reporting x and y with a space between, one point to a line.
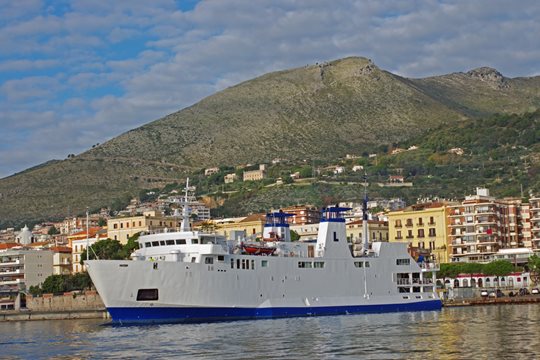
74 75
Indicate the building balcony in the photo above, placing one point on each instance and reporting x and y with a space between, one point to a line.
409 225
399 237
10 272
9 262
420 224
11 282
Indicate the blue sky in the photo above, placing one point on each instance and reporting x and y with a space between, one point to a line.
79 72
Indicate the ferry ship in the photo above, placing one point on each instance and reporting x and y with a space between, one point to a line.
194 276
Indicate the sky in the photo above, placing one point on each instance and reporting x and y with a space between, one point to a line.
74 73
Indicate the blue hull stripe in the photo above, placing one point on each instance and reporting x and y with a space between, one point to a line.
126 315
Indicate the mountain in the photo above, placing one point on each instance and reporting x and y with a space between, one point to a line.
321 111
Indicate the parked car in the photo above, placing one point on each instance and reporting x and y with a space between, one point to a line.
523 291
535 291
484 293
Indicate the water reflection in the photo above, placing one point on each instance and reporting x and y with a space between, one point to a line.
453 333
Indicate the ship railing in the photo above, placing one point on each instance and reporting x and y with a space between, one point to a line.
429 266
415 282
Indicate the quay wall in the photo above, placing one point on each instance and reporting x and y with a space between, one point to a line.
70 301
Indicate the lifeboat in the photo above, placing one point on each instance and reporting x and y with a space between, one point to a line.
252 249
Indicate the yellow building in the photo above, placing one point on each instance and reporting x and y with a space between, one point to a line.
253 225
378 231
422 226
123 228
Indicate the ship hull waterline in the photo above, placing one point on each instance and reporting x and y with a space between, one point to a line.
155 315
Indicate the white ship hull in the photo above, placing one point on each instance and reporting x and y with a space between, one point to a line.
189 276
201 292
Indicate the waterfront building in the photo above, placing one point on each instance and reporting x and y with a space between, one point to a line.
20 269
378 231
307 232
481 225
62 260
77 242
303 214
252 225
79 247
122 228
535 222
423 226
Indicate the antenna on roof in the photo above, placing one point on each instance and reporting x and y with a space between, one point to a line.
185 210
365 231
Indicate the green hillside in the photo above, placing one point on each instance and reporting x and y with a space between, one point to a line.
314 113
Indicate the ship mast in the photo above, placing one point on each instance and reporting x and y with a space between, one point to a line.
185 210
365 231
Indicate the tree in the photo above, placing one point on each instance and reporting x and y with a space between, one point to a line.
498 268
130 246
53 231
58 284
102 222
534 267
104 250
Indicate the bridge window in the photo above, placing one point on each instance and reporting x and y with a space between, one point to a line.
180 242
403 261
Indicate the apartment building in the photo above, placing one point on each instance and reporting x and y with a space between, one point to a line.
20 269
423 227
123 228
252 225
303 214
378 231
534 209
481 225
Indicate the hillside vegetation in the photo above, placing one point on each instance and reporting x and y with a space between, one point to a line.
313 113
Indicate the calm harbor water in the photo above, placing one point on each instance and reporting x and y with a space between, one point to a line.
481 332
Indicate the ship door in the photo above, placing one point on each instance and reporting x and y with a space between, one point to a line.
311 251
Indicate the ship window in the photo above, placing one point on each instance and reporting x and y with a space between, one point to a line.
358 264
193 258
403 261
194 241
243 263
148 244
232 263
162 243
366 264
318 264
170 242
180 242
221 258
147 294
264 263
238 263
155 243
252 264
209 260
